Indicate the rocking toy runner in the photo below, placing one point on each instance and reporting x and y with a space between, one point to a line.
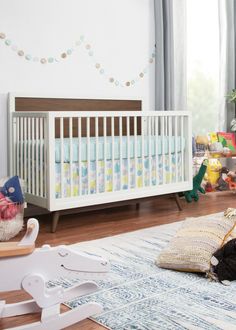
22 266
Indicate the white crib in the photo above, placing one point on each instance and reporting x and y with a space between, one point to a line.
74 159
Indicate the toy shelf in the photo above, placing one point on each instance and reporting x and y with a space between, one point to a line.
212 155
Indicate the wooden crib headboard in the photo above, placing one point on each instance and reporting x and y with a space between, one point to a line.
25 103
69 104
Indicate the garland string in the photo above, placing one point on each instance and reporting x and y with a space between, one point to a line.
68 52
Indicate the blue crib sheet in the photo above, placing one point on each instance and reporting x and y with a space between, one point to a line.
169 143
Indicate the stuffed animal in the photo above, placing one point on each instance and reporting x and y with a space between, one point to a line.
231 180
213 171
202 139
223 262
201 144
216 146
197 180
223 183
208 187
11 208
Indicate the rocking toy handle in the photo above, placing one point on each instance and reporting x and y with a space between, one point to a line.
31 232
30 228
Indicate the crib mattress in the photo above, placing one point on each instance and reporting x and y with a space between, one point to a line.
169 144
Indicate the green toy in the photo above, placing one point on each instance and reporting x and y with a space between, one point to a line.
197 180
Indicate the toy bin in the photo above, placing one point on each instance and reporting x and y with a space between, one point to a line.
11 219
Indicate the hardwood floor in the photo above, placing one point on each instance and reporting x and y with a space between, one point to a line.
103 223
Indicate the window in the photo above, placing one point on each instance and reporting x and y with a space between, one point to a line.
203 64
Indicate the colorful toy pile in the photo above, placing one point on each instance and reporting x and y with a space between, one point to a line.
215 146
220 144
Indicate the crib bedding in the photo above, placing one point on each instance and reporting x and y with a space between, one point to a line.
169 144
139 170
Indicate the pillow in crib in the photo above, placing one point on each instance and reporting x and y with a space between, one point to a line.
195 242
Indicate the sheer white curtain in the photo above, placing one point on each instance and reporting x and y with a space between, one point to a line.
203 63
227 24
170 75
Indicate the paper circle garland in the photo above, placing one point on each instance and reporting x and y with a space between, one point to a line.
65 54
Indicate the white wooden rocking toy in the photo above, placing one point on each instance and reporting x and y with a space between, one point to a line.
22 266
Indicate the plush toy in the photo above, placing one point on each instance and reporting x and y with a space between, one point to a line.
197 180
223 183
201 144
11 208
213 171
223 262
231 182
202 139
208 187
216 146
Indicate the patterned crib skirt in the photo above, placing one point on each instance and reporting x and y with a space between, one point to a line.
144 173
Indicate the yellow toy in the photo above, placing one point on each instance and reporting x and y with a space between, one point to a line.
213 171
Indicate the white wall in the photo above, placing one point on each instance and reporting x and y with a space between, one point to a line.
120 32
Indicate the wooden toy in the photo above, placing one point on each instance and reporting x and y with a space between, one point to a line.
22 266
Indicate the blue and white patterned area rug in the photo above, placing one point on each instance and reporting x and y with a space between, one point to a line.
139 295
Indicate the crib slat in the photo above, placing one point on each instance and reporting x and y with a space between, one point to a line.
37 154
182 147
163 149
120 144
149 153
112 153
33 155
88 153
156 148
14 139
41 155
105 150
21 147
45 157
169 147
62 154
25 153
79 157
17 141
142 146
29 154
71 155
135 153
128 150
97 149
176 146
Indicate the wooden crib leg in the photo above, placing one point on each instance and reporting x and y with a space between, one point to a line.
177 200
55 219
